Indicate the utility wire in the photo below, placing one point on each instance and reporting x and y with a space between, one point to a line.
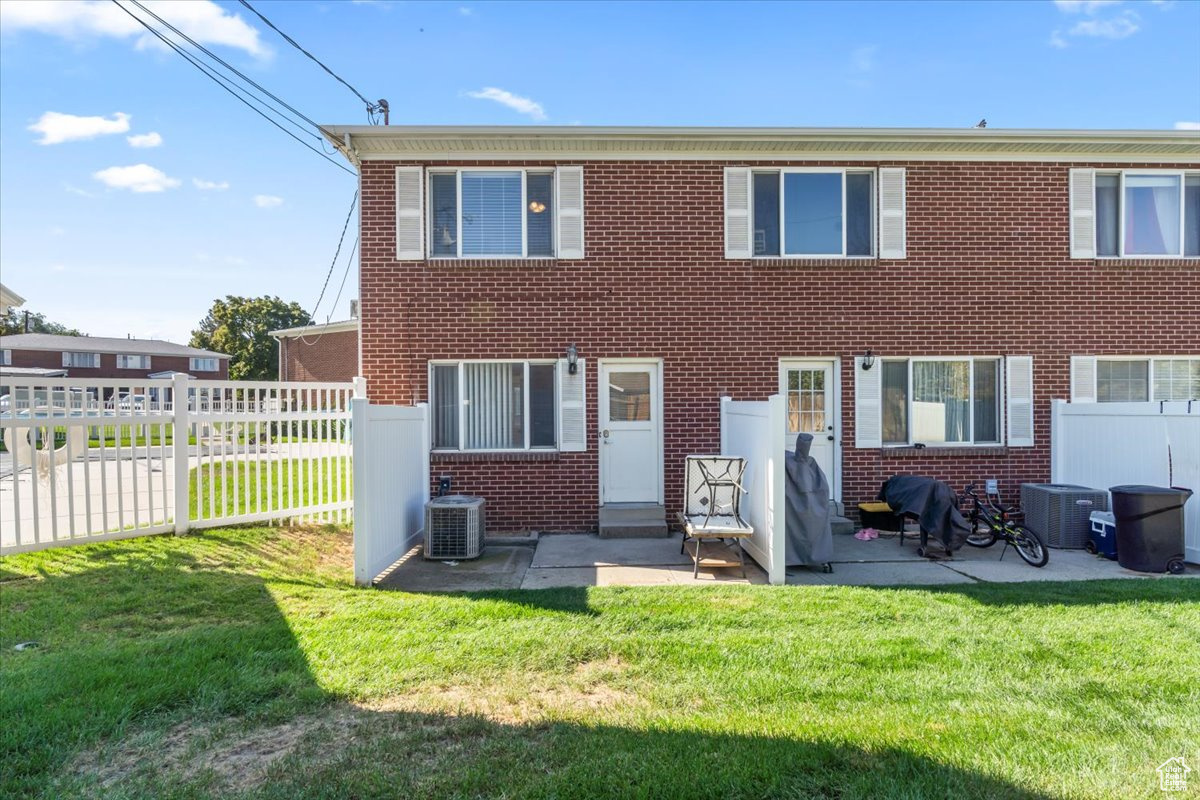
329 316
336 253
296 45
216 78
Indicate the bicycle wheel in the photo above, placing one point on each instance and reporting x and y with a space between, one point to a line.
1029 546
980 538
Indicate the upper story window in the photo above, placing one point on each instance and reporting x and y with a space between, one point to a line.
1144 213
202 364
1135 379
813 213
133 362
491 213
5 358
81 360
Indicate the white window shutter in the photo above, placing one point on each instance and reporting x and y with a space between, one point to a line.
1020 401
868 405
572 407
569 191
1083 379
410 223
737 212
892 227
1083 213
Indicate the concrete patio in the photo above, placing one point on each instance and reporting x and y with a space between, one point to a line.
576 560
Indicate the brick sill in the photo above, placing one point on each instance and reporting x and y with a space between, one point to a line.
903 452
508 263
847 263
488 458
1148 262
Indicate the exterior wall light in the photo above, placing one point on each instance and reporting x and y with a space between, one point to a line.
572 359
868 361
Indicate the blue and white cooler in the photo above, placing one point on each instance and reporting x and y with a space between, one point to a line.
1102 539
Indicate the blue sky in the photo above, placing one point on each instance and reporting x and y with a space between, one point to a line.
117 235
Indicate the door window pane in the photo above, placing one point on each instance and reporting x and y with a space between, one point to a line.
539 211
1122 381
1152 214
443 207
895 402
766 213
987 401
445 406
542 425
629 396
494 406
491 213
940 398
806 401
858 214
812 203
1108 188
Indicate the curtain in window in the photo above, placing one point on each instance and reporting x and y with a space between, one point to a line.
443 208
941 401
1152 214
493 406
1108 189
445 408
1191 221
491 213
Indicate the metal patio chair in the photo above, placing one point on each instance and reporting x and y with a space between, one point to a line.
712 504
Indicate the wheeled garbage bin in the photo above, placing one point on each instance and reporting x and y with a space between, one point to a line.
1149 527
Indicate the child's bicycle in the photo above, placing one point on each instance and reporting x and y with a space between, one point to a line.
991 522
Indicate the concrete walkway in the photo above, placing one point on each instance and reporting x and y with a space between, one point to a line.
576 560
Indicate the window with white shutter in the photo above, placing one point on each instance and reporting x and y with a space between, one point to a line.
893 236
737 212
868 417
1020 401
570 212
410 228
1083 213
572 407
1083 379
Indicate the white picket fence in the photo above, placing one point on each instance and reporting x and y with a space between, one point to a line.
391 481
1109 444
90 460
755 431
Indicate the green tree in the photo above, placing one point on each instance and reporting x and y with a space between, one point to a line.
241 326
12 322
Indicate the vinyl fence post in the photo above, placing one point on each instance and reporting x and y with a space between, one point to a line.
360 387
362 495
724 434
179 438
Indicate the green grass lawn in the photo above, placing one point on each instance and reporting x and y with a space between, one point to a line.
272 484
240 662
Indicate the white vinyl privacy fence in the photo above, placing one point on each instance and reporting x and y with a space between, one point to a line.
391 482
1109 444
90 460
754 430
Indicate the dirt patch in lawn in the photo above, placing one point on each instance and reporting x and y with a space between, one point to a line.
227 756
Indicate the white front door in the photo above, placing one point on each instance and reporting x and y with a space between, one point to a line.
808 389
630 432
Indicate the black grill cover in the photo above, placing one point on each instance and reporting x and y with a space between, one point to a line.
933 503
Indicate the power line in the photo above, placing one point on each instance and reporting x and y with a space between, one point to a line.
226 85
371 107
336 253
329 316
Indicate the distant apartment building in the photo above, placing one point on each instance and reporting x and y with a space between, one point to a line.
99 357
327 352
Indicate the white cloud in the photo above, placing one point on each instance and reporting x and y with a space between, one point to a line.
1084 6
522 105
210 186
151 139
138 178
202 20
465 11
863 58
1187 126
57 128
71 189
1114 28
1057 40
267 201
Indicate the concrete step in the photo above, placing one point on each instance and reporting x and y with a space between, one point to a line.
632 521
842 525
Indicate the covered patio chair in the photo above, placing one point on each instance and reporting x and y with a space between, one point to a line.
712 505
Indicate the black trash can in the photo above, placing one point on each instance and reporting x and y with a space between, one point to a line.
1149 527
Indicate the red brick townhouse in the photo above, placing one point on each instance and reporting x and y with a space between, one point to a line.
101 357
573 302
323 352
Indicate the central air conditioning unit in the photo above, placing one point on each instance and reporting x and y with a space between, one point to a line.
1061 513
454 527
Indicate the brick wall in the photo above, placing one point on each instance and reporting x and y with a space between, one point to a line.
988 273
53 359
319 357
